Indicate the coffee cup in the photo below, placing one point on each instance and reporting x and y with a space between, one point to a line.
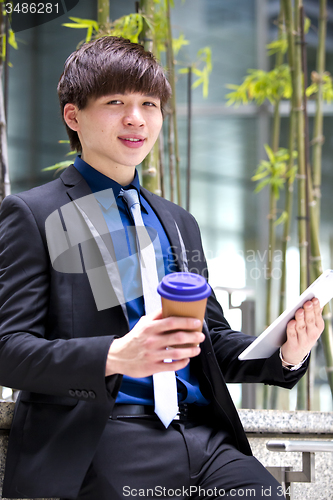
184 294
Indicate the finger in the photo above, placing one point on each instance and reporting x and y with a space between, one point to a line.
176 323
156 314
300 322
178 354
313 320
309 316
318 312
173 366
291 331
180 338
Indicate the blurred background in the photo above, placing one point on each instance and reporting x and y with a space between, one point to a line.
227 146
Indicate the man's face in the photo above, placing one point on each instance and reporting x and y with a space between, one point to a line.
118 130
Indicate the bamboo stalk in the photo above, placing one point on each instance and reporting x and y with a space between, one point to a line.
302 195
306 137
288 209
298 91
171 159
272 210
150 165
288 14
272 197
327 335
318 138
4 176
161 162
103 13
309 379
171 66
314 193
189 141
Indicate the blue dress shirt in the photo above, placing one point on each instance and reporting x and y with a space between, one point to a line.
136 390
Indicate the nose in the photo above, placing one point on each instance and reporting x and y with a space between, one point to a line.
134 117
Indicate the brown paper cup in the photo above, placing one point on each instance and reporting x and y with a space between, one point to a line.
195 309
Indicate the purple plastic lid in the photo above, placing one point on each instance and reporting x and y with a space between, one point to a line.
184 287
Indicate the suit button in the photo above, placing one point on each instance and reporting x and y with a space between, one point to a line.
72 393
92 395
78 393
85 394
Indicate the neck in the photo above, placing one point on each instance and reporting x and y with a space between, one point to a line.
121 174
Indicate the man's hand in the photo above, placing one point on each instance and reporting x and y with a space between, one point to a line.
142 351
303 332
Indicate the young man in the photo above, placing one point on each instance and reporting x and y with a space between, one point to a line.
74 336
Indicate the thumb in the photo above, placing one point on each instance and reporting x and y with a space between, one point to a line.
156 314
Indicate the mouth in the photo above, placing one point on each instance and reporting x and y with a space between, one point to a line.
132 142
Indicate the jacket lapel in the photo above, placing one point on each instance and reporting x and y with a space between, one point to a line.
104 278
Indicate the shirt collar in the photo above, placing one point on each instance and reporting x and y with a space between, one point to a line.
99 183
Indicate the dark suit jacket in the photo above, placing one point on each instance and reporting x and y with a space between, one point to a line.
54 343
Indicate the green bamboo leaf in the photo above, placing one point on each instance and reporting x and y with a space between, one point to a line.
232 86
64 141
79 20
3 47
82 23
178 43
206 55
278 46
278 182
291 175
312 89
261 185
196 71
89 34
141 17
269 153
197 83
282 157
183 71
307 25
12 39
76 26
130 26
58 166
259 176
282 219
236 98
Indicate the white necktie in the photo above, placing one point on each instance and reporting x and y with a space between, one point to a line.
165 387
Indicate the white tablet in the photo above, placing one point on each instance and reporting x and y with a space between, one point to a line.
275 335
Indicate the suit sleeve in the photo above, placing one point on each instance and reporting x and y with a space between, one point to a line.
228 343
28 359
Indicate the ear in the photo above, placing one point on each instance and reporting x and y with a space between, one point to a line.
70 116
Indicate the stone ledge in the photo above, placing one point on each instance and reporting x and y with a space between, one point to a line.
6 414
259 426
287 422
254 421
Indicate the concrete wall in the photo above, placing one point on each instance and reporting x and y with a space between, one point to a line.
264 425
260 426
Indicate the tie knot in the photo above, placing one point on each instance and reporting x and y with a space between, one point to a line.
130 196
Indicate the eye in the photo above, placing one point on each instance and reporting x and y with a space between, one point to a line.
114 101
150 103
